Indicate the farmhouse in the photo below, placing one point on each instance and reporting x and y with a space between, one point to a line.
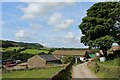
43 61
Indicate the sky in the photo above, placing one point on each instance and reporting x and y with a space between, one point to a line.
52 24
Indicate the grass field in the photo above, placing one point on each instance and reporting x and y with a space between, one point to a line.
34 51
38 73
10 49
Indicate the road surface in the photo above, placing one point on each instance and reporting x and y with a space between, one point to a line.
82 71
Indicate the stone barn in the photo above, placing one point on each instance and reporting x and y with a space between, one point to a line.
43 61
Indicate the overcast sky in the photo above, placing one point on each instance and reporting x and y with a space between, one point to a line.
52 24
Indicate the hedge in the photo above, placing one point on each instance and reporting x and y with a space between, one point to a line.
109 71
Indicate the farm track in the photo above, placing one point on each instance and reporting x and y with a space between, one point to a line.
82 71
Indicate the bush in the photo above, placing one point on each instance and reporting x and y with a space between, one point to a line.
67 59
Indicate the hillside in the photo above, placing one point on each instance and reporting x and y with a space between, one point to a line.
6 44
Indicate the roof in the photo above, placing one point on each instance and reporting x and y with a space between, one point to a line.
48 57
69 52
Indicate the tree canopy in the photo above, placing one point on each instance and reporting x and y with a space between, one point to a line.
101 26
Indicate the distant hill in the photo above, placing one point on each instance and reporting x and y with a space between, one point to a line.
6 43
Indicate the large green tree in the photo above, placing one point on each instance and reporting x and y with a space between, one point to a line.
101 26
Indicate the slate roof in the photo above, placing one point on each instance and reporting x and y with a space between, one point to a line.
48 57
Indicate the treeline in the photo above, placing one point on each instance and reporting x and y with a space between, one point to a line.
13 55
6 44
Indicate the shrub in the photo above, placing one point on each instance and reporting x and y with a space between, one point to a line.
67 59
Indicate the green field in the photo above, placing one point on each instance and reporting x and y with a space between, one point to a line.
37 73
34 51
10 49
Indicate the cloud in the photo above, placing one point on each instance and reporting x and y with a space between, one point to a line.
48 0
22 35
35 26
71 38
55 19
45 44
34 10
57 0
67 40
64 25
59 22
2 22
31 11
69 35
19 6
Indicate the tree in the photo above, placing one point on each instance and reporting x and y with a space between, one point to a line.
101 26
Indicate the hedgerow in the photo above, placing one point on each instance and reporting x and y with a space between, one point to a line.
110 71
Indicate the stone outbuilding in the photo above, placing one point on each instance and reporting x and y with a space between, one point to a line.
42 61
